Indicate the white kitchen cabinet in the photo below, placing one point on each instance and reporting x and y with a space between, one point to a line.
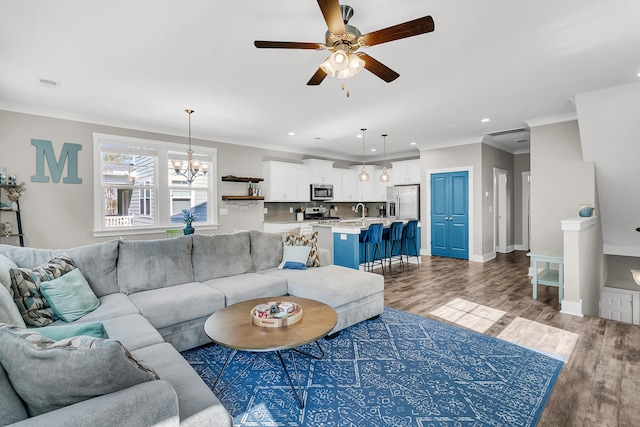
366 188
380 188
350 186
406 172
336 180
321 171
305 227
286 182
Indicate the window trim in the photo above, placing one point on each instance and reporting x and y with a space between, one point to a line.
163 199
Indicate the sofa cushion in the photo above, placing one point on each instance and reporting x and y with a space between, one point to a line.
28 257
153 264
221 255
69 296
133 331
98 265
310 240
175 304
248 286
25 283
266 249
333 285
60 332
111 306
296 255
197 404
49 374
12 409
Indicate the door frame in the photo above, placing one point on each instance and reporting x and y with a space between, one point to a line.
526 210
500 228
426 218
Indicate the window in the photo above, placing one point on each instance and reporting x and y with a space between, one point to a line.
134 194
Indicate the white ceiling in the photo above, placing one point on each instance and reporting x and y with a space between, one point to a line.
139 64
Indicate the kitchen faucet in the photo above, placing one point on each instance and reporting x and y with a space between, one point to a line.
360 204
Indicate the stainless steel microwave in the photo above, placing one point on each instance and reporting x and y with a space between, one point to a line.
321 191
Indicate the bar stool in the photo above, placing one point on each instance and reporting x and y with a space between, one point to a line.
393 239
364 234
372 247
410 234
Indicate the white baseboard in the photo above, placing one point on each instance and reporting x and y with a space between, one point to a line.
573 308
521 248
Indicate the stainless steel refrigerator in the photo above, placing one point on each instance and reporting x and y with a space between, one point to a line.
403 202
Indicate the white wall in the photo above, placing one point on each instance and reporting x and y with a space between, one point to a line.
560 182
609 132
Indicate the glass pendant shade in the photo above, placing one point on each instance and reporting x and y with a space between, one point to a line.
384 177
364 176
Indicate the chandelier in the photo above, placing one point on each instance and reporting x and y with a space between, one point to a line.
194 168
364 176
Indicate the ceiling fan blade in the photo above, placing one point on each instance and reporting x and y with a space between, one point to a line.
261 44
378 68
332 15
317 78
400 31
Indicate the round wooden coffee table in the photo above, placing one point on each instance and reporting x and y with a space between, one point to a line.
233 327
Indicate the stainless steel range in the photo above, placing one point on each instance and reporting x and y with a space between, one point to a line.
319 214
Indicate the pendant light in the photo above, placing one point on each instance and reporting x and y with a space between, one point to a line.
364 176
385 176
194 168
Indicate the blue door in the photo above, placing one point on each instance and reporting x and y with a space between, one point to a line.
450 214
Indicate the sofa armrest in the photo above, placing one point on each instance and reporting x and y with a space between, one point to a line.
324 256
152 403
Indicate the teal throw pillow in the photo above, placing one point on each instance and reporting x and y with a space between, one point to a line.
70 296
297 254
61 332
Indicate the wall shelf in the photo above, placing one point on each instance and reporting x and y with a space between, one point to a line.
242 197
231 178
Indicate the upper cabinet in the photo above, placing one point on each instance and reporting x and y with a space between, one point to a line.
379 187
321 171
405 172
366 189
286 182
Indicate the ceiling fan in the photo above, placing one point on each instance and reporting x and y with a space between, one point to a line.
343 40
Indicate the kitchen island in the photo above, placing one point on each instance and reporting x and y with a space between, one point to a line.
342 239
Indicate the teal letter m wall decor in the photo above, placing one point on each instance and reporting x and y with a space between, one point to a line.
69 155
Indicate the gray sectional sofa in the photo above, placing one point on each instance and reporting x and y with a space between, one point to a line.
155 296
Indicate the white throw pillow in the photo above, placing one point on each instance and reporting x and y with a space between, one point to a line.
298 254
5 265
9 312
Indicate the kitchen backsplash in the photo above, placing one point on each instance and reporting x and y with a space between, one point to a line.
279 212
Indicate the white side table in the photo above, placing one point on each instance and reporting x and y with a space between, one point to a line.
548 276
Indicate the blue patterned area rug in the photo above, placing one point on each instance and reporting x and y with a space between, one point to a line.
398 370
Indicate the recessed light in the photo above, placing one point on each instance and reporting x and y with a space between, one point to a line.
485 120
638 75
373 149
412 143
358 136
292 133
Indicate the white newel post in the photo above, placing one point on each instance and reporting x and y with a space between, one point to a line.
578 262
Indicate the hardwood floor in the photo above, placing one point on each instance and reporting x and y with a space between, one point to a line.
599 384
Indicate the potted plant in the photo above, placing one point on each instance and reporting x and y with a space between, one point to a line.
189 217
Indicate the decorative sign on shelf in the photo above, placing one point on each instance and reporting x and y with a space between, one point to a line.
69 155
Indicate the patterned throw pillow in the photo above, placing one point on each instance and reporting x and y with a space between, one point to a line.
305 240
25 283
49 375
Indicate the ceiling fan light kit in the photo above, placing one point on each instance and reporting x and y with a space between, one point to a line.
344 40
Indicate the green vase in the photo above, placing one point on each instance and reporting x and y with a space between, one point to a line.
188 230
